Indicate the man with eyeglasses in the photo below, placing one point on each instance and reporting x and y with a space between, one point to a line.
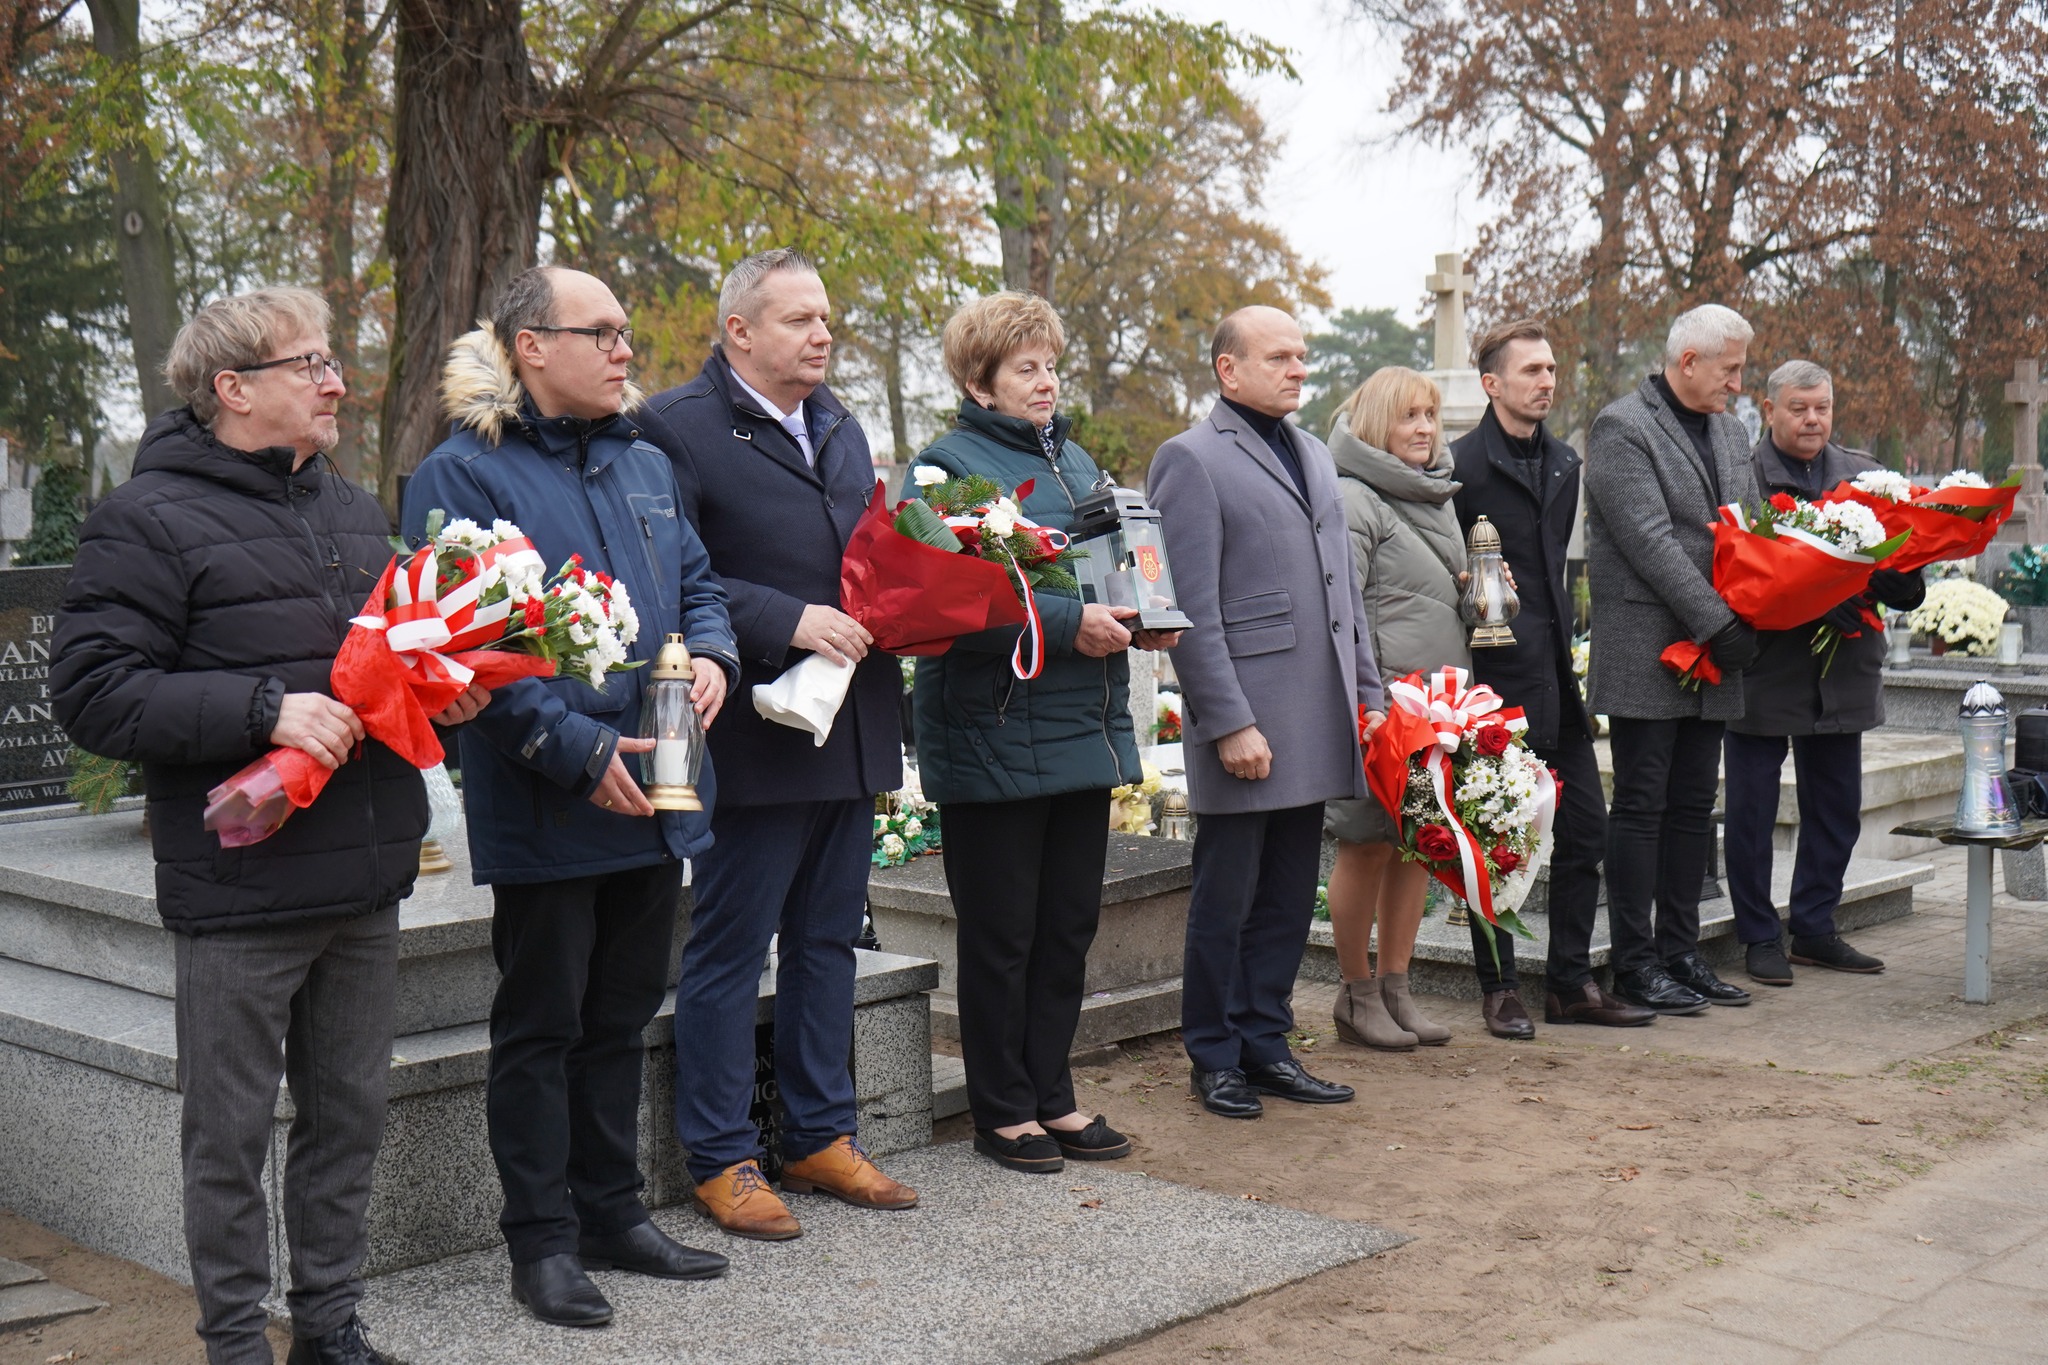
207 601
585 875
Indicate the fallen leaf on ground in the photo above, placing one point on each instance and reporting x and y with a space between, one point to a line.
1635 1127
1625 1173
1923 1241
1528 1236
1394 1146
1616 1269
1079 1189
1255 1198
1530 1099
1869 1122
1097 1203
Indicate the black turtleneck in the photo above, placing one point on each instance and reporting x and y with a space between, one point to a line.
1695 426
1273 431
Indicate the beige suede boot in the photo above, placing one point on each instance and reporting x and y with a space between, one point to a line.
1394 990
1362 1018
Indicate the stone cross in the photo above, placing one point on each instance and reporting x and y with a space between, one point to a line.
2026 394
1451 284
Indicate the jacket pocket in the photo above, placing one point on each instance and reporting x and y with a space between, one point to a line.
1258 623
659 543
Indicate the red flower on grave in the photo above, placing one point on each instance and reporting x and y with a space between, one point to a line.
1784 502
536 614
1492 740
1436 843
1505 858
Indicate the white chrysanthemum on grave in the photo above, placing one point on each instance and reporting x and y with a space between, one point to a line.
1888 484
1962 478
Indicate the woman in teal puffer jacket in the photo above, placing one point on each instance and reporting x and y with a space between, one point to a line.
1022 770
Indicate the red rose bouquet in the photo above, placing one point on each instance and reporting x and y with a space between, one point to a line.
470 606
1473 803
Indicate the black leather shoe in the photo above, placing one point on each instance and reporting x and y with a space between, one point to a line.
1833 953
1226 1093
1691 971
1097 1142
345 1345
1290 1082
646 1250
1654 989
1766 963
1030 1153
555 1289
1588 1004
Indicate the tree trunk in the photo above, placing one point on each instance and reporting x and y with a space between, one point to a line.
892 379
142 221
343 128
467 172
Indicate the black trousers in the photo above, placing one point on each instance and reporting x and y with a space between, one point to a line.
1829 769
583 964
1026 881
1660 827
1578 843
1254 894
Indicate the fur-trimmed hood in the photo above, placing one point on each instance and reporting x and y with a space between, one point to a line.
480 388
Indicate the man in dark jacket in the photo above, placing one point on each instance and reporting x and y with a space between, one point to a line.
1525 481
775 473
1659 463
1819 702
585 875
204 610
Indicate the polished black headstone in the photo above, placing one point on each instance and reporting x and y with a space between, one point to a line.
34 751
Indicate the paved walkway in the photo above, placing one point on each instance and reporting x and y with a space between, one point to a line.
1952 1268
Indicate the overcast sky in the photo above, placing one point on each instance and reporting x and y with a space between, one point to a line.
1374 213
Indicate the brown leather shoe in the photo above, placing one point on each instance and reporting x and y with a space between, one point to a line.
738 1199
1506 1017
1591 1005
846 1173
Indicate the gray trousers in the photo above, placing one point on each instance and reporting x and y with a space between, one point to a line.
312 1003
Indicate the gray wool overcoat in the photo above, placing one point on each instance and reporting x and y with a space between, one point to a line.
1650 553
1278 639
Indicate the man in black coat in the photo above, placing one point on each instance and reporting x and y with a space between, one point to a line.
1525 481
209 597
1818 703
775 474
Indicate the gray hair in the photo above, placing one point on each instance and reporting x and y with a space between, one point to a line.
1706 331
527 303
235 331
741 292
1797 374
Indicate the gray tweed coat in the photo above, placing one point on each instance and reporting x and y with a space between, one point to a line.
1650 552
1278 640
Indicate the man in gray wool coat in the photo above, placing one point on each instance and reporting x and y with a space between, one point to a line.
1659 464
1274 678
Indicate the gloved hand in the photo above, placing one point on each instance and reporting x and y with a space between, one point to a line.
1733 646
1847 618
1902 591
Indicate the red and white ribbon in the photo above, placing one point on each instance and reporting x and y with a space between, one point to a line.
423 627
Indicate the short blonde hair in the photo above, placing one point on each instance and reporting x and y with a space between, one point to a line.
1384 399
241 329
985 333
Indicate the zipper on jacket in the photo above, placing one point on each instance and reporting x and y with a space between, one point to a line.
1107 742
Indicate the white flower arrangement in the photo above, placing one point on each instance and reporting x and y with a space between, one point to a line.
1962 478
925 476
1850 525
1888 484
1967 616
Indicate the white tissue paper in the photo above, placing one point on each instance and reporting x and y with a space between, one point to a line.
806 697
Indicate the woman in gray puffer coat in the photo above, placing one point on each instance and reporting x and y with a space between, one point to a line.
1407 553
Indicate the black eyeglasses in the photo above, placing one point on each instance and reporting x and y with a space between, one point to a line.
608 338
312 364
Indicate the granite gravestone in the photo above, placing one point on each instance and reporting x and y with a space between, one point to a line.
34 751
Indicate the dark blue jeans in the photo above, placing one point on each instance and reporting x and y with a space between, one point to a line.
799 870
1829 770
1248 914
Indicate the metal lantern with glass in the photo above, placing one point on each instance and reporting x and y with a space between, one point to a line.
1985 805
1489 601
1122 556
669 770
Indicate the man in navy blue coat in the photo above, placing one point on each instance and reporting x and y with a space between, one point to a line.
585 875
775 473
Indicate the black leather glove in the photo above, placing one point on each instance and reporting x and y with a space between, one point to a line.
1733 646
1847 617
1901 591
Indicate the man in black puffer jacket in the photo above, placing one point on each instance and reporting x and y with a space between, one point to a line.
207 602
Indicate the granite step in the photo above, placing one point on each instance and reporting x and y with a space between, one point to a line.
949 1086
1874 891
31 1303
89 1113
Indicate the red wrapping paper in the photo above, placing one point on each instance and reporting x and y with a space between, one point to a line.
1781 583
916 598
1937 534
1691 662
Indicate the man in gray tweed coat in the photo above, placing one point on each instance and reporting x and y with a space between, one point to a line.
1274 677
1659 463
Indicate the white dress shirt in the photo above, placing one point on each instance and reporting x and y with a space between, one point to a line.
791 422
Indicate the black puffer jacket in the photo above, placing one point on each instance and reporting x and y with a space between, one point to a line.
206 587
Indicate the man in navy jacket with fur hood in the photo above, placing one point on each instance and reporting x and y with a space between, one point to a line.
584 872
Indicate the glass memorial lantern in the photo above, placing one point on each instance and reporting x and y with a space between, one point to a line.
1986 805
1489 601
1121 559
669 770
444 818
